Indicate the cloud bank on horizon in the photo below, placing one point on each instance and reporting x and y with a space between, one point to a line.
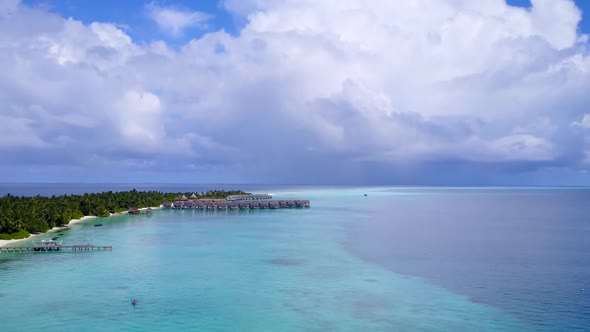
333 91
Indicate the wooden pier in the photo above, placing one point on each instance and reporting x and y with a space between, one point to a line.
243 204
235 202
56 248
251 197
51 245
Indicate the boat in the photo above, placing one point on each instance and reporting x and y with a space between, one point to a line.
97 225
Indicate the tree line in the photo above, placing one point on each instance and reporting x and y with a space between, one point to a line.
20 216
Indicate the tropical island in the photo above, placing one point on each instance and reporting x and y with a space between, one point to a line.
21 216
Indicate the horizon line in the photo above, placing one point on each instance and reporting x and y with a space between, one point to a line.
301 184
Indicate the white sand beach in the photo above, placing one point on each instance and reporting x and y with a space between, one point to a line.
4 243
151 207
76 221
142 209
7 242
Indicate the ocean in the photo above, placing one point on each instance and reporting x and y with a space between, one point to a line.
397 259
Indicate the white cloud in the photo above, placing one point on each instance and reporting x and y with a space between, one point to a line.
556 21
139 120
307 86
8 7
519 147
585 122
174 20
18 133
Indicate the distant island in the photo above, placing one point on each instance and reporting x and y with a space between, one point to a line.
21 216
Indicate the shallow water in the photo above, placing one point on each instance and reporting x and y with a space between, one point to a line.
399 259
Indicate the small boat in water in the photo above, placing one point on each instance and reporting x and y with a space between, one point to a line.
97 225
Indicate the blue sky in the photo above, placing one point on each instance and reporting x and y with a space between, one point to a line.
582 4
246 91
132 13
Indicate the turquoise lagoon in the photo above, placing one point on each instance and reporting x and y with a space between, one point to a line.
399 259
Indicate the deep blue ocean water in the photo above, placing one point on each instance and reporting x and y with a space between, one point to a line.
398 259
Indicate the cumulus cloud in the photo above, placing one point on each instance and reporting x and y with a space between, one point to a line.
174 20
308 91
585 122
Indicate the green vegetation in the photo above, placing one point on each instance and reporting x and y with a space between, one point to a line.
23 215
22 234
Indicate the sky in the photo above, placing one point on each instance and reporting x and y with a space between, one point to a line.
421 92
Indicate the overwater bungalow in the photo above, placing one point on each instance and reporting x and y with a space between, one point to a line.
193 196
133 211
250 197
302 203
235 204
215 201
149 210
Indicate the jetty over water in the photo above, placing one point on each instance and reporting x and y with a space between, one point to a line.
252 197
50 245
222 204
235 202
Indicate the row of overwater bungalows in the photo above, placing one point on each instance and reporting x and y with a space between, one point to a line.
222 204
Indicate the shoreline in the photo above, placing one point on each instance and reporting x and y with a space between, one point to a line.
4 243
